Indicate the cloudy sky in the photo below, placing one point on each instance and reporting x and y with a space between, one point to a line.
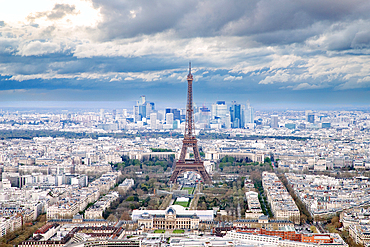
269 51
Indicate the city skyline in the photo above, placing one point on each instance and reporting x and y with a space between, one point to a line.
109 138
280 54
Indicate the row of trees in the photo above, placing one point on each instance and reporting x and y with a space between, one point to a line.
138 197
305 215
265 206
16 237
152 165
228 196
230 164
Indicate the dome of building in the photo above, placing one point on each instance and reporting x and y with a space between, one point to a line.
171 211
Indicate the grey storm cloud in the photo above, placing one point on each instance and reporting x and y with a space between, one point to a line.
263 19
59 11
361 40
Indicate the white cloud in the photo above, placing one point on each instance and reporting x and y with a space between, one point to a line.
110 76
36 48
233 78
279 76
305 86
353 84
365 79
116 78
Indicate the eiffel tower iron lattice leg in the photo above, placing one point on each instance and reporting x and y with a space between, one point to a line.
195 167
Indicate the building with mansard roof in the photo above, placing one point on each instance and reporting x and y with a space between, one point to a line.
174 217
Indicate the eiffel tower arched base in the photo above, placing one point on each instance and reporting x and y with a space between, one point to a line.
197 167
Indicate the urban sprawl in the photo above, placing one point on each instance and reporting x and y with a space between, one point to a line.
100 177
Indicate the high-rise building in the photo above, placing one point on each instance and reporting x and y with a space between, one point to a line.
311 118
153 121
274 121
220 114
176 124
169 118
161 115
249 113
142 100
203 116
214 111
219 110
102 114
228 121
149 108
137 116
176 113
236 115
114 114
142 110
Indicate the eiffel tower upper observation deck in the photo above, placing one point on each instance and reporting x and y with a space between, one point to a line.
190 141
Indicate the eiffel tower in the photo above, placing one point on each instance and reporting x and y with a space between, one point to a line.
196 164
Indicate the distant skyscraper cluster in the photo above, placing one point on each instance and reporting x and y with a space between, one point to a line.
221 115
232 116
143 109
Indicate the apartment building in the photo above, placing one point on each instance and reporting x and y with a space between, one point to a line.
282 204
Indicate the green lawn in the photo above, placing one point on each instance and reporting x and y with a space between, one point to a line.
190 189
159 231
178 231
184 204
